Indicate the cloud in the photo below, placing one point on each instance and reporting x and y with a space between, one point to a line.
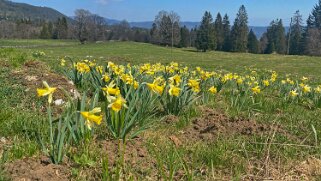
104 2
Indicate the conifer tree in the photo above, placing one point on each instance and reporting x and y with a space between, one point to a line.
276 37
253 43
295 42
240 31
154 34
205 34
312 33
219 32
185 37
226 33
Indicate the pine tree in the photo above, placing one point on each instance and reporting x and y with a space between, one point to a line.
205 34
280 44
312 33
185 37
219 31
263 43
276 37
240 31
63 28
295 42
253 43
193 35
226 33
154 34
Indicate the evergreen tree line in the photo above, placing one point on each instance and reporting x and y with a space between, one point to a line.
220 35
212 34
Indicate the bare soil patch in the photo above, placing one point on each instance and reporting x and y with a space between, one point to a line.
33 73
136 155
30 169
213 124
308 169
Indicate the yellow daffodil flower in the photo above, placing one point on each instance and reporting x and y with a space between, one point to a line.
306 89
106 78
266 83
91 117
304 79
302 85
111 89
63 62
175 80
82 67
256 90
100 69
117 103
318 89
194 84
156 88
127 78
47 91
293 93
111 65
174 91
212 90
135 84
239 81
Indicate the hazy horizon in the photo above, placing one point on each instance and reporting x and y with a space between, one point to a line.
261 13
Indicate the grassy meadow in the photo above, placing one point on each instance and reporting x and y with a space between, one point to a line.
216 140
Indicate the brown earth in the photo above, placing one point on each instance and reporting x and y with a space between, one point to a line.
33 73
136 155
213 124
309 169
3 144
30 169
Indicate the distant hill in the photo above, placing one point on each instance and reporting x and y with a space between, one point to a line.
148 24
12 11
258 30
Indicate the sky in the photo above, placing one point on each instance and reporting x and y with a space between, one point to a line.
261 12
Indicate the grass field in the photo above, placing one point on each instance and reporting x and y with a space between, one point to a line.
270 140
142 53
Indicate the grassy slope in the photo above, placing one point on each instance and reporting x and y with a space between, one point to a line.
232 153
141 53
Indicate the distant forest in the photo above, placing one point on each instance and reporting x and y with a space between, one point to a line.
212 34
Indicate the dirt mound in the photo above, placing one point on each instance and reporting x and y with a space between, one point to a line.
136 152
213 124
309 169
32 73
137 158
3 143
30 169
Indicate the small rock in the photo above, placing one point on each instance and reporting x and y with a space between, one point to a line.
175 140
59 102
3 140
31 78
71 82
